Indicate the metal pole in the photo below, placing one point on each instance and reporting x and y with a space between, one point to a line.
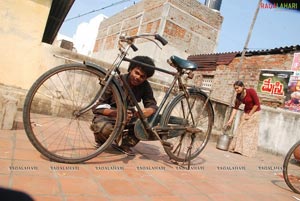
239 66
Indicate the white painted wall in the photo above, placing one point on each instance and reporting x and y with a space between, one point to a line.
279 129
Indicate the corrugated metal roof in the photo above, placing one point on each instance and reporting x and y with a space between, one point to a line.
209 62
279 50
58 12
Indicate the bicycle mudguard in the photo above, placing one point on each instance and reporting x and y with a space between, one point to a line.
195 89
104 71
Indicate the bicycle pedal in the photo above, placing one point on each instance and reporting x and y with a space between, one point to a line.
193 130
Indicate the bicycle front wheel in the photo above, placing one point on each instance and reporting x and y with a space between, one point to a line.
199 117
291 168
51 118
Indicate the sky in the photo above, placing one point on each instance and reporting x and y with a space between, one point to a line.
273 27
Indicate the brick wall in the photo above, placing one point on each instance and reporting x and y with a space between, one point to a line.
222 92
226 75
189 27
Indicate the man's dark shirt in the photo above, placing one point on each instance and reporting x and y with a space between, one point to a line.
142 92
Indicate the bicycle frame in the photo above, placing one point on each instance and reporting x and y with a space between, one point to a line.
65 130
114 71
147 125
177 78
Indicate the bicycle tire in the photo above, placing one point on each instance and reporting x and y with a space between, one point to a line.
291 169
204 122
49 113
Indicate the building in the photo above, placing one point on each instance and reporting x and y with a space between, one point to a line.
28 29
217 72
189 26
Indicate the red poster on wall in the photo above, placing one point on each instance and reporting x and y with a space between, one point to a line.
293 100
274 82
296 62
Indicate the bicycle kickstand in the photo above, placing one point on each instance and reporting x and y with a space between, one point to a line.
189 152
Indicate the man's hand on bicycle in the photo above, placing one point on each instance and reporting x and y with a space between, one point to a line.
146 111
130 114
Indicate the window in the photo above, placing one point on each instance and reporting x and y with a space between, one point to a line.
207 83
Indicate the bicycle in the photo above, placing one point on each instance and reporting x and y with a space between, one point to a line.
291 168
57 110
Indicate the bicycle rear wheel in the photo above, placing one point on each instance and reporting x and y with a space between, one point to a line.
200 116
291 168
50 113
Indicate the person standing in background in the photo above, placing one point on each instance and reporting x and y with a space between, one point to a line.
245 139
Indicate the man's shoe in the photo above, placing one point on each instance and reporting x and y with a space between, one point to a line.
124 149
98 143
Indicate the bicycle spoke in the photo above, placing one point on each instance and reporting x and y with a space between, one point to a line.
198 126
50 108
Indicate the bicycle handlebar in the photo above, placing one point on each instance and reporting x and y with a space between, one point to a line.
162 40
130 39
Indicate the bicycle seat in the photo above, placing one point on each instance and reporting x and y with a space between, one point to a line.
182 63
